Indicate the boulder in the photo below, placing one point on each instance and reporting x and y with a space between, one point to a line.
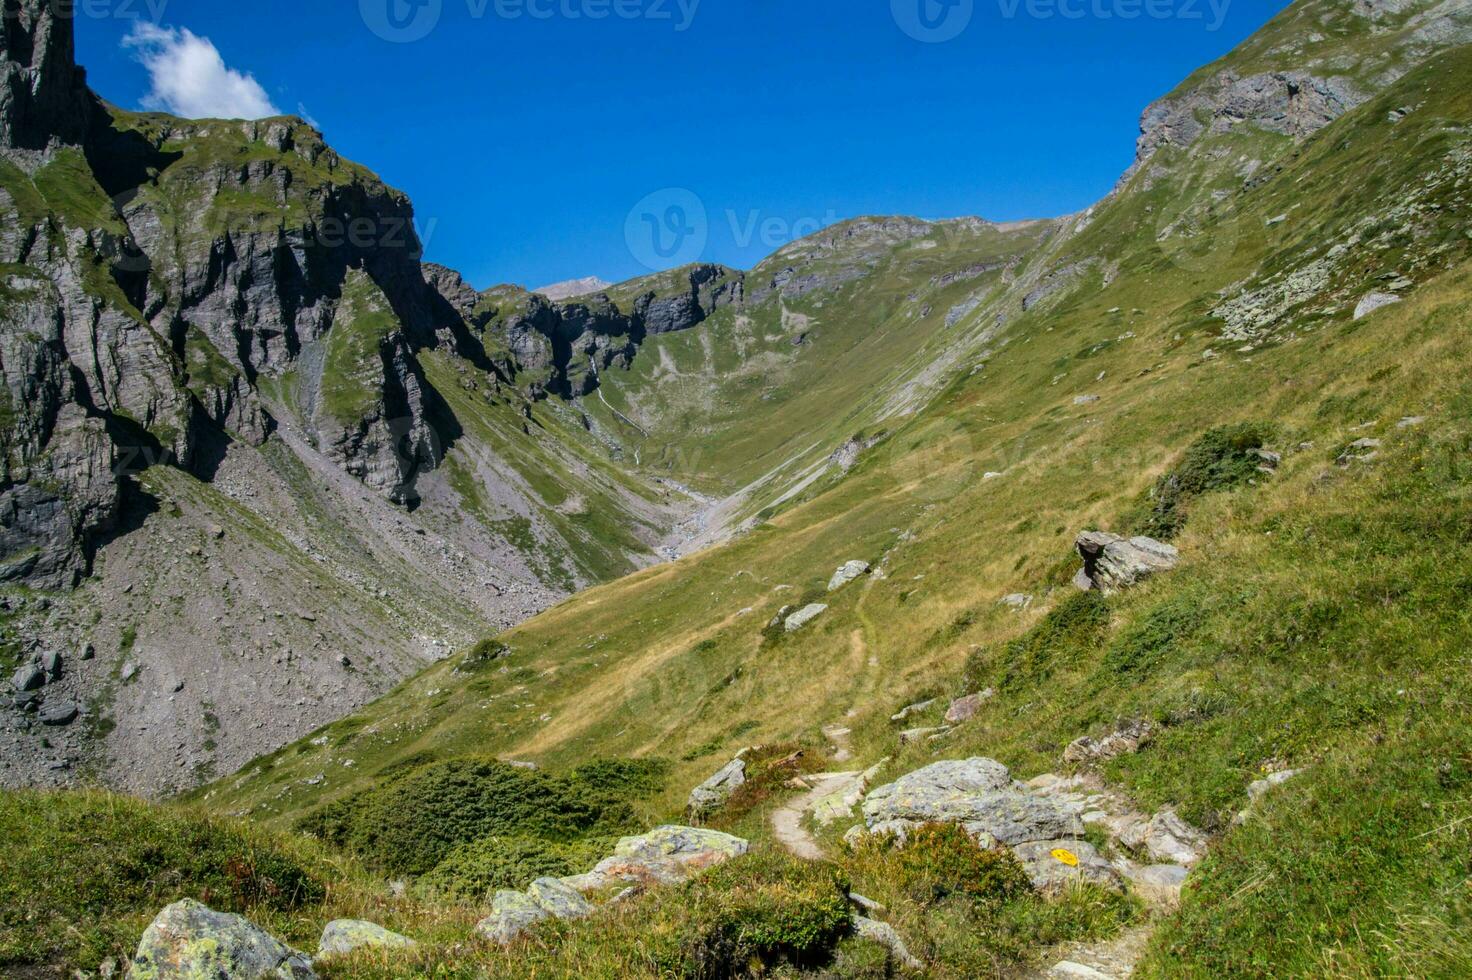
978 794
512 913
668 855
188 941
559 900
343 936
1056 865
1372 302
1124 740
59 714
804 616
715 791
1017 600
1113 563
884 934
849 572
29 677
964 709
51 663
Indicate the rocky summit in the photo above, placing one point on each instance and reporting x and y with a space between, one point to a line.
1072 597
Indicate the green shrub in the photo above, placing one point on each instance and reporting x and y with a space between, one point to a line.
1145 645
939 861
1071 629
756 913
412 823
473 871
81 874
1222 459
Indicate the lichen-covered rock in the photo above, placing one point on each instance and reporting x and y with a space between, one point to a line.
715 791
668 855
1055 865
190 942
976 793
1113 563
512 913
560 900
346 935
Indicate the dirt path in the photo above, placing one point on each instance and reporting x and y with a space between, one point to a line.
787 821
1113 960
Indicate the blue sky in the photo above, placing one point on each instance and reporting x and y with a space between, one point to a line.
526 131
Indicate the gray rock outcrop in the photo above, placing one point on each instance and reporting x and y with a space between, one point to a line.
1113 563
715 791
803 617
978 794
848 572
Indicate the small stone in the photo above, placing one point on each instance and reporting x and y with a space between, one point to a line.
1113 563
912 735
87 652
1086 399
1158 884
1056 865
1124 740
1016 600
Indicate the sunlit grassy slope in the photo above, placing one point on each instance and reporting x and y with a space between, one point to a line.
1318 621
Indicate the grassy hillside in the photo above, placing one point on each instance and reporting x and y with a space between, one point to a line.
1316 623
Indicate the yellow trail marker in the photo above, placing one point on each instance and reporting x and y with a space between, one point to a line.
1067 857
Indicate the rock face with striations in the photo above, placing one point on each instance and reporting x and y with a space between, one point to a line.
1113 563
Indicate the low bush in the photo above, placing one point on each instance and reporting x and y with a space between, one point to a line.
1222 459
413 822
474 871
939 861
81 874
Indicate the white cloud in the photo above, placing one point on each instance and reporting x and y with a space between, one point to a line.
190 79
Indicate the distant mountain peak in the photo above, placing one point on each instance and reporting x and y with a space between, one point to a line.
569 288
